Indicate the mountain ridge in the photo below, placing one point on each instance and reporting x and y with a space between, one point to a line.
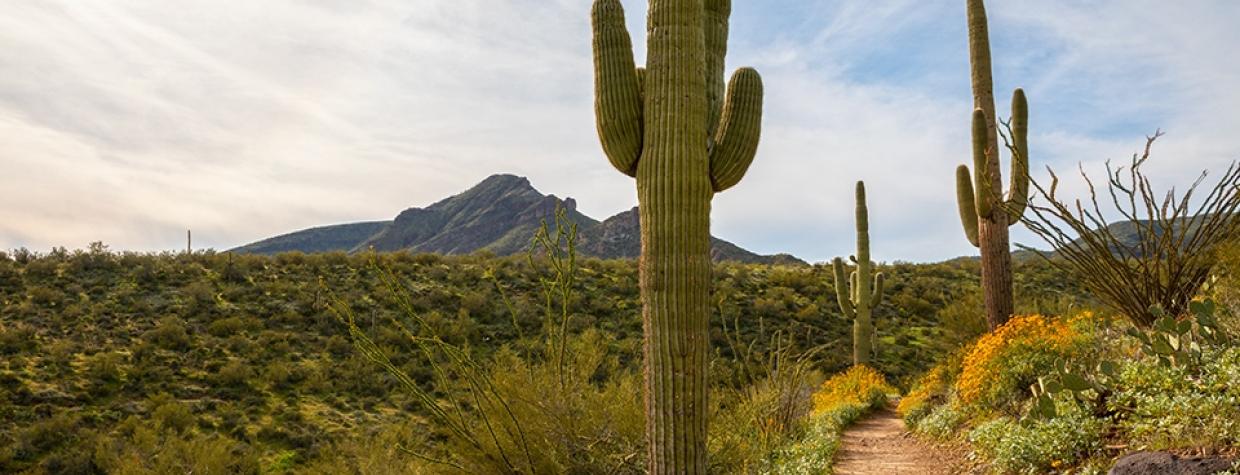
499 215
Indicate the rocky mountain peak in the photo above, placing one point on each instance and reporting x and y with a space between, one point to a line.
499 214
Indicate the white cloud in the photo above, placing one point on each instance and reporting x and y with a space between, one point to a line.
129 121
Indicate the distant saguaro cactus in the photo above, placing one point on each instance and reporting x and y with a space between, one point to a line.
859 302
684 137
983 212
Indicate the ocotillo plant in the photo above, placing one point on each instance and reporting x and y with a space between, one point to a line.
983 212
858 304
675 128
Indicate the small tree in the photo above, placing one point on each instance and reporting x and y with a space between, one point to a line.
1158 259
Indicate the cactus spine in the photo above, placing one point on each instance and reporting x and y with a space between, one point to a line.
984 213
858 304
675 128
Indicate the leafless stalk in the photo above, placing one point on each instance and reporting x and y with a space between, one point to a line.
1166 257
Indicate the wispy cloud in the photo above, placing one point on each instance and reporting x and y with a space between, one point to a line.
131 121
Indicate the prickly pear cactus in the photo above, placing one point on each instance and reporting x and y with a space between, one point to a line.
984 214
684 136
863 289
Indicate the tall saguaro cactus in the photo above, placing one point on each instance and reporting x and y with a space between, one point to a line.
985 214
675 128
858 304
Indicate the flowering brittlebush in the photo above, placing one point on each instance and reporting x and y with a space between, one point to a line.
928 386
860 385
1003 361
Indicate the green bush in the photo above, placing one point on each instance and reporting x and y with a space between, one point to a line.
171 415
106 367
1170 408
942 422
234 374
139 448
45 435
751 425
229 326
170 334
14 339
1039 446
962 320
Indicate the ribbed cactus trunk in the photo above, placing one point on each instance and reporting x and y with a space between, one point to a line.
674 192
984 213
863 289
671 127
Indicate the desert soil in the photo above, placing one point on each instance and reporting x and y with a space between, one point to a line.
879 444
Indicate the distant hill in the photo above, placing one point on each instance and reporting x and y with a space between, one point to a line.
320 239
1128 239
1127 233
499 215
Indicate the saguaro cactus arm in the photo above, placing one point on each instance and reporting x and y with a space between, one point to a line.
1018 195
877 296
843 289
982 154
964 200
736 141
617 88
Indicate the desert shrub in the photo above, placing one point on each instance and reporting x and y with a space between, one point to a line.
44 435
942 422
1039 446
234 374
16 338
375 453
45 268
45 297
282 375
170 414
1000 366
1224 287
138 448
76 459
229 326
573 420
170 334
962 320
60 353
859 386
198 298
1169 407
338 345
751 424
106 367
931 390
10 277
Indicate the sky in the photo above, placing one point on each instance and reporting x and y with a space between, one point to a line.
130 121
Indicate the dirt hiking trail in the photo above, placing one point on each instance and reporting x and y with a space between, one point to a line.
879 444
